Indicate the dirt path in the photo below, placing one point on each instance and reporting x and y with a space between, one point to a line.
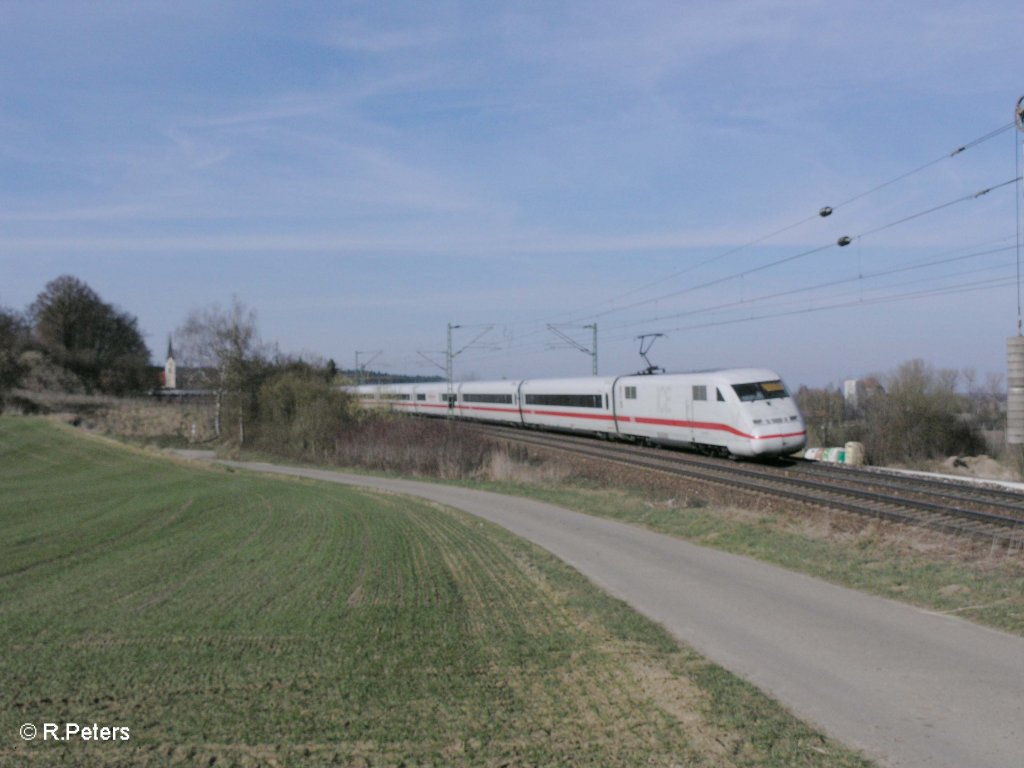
908 687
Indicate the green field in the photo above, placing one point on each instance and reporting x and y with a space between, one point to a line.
227 619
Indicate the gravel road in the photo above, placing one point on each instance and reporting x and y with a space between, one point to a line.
908 687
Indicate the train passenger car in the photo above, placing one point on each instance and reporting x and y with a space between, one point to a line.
739 412
396 397
572 405
366 394
496 401
430 399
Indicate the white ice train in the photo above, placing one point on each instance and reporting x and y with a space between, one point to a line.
745 412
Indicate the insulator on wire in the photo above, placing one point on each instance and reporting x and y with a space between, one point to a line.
844 241
826 211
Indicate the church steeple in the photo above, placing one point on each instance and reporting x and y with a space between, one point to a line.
170 368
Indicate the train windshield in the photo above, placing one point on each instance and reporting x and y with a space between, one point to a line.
762 390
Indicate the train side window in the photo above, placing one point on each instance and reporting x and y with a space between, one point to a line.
700 392
470 397
631 393
570 401
718 392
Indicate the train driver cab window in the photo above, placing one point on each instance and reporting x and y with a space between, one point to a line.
719 397
700 392
762 390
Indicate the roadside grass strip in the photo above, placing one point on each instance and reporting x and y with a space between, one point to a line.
207 617
978 582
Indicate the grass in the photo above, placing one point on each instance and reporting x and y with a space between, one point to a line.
229 619
979 582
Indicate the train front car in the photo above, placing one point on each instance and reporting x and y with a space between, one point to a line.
742 412
767 416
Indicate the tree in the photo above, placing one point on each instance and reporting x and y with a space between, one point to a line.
824 411
919 416
225 349
98 342
14 336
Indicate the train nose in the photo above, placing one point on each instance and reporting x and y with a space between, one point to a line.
780 438
794 443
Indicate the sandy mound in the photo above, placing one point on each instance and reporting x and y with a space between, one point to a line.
977 466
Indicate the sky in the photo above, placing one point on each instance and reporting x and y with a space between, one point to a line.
363 174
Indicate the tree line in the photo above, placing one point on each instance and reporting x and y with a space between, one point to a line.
916 413
265 398
96 346
71 340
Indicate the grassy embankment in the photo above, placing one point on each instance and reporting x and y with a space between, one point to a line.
979 581
236 620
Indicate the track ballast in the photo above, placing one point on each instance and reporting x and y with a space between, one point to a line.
959 508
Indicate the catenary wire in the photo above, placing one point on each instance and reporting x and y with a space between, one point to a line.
583 317
578 317
946 156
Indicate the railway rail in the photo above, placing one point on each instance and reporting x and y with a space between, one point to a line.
958 508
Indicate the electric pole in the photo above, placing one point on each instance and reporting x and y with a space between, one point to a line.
359 369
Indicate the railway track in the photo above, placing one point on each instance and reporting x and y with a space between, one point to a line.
963 509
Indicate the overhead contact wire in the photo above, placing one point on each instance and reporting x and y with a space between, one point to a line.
821 213
959 150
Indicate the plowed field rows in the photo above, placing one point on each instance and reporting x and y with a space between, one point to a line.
233 620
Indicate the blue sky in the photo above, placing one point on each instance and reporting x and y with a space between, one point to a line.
363 173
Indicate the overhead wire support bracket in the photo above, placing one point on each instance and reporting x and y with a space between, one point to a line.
430 360
576 345
361 369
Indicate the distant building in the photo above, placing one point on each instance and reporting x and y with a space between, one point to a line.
853 392
856 392
170 377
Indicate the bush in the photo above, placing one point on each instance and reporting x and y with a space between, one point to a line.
418 446
300 414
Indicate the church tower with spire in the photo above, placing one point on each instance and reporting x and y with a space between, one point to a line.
170 368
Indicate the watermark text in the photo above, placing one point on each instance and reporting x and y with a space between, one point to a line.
74 732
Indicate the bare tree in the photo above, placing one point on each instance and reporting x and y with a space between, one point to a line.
919 417
824 411
224 350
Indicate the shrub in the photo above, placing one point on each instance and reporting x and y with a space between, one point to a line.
300 414
419 446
